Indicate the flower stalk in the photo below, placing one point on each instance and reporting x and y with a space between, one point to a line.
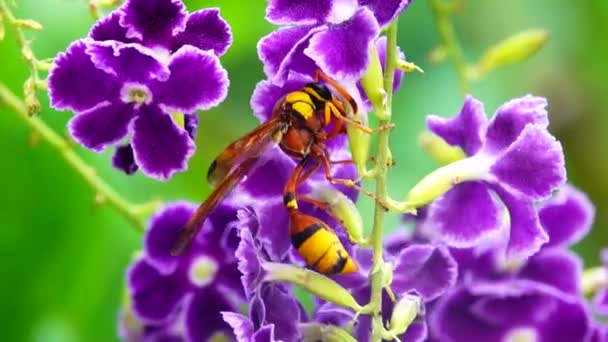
133 212
382 159
449 42
25 46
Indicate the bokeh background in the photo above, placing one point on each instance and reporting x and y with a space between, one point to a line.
63 259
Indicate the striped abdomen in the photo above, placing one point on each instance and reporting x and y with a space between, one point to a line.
319 245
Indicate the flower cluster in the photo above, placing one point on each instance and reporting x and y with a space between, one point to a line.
512 162
332 35
478 264
144 71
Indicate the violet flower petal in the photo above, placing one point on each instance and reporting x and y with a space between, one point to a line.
341 50
197 81
567 217
75 83
282 51
526 233
533 165
297 12
102 125
123 159
127 62
542 267
511 118
275 305
464 215
203 315
265 334
466 130
153 21
108 28
241 325
428 270
600 301
160 147
154 296
164 227
206 30
266 94
385 11
191 125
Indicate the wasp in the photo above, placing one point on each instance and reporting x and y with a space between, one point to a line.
301 123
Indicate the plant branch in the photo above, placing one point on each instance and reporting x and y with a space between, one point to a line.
32 104
133 212
382 159
449 42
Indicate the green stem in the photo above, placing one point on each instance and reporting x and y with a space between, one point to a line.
450 43
376 275
32 103
131 211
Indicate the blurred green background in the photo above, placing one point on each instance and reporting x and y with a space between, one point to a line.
63 258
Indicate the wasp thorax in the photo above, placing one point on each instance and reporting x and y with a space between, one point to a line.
135 93
202 271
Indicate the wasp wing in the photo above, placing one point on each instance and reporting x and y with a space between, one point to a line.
248 160
249 145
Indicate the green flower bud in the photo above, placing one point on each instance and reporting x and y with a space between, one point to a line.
440 150
372 81
359 142
2 31
324 332
404 313
315 283
444 178
514 49
344 210
28 24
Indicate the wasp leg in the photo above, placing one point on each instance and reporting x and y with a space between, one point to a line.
322 156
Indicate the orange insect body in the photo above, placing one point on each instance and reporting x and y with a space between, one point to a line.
298 125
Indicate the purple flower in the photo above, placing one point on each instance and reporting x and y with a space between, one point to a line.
274 310
601 298
513 159
566 218
497 299
512 310
142 70
331 35
422 269
183 296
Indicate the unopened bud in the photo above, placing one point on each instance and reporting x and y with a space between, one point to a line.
32 104
2 31
315 283
439 149
445 178
324 332
514 49
359 142
408 66
404 313
438 54
373 81
344 210
28 24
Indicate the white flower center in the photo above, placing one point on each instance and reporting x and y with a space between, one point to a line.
202 271
342 10
135 93
522 335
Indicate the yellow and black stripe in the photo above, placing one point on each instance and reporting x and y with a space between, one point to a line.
319 246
